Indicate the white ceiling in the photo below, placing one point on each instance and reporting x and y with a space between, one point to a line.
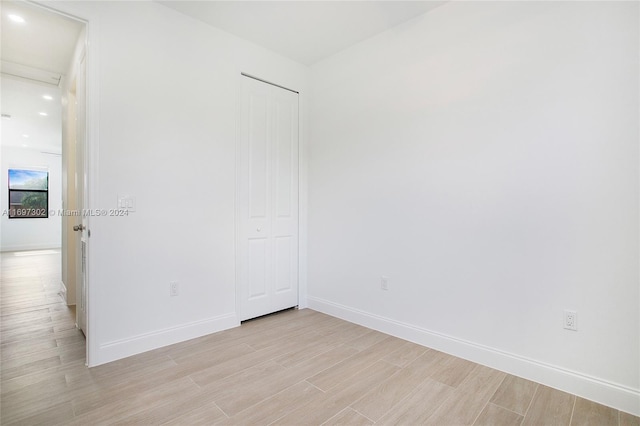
24 100
305 31
44 42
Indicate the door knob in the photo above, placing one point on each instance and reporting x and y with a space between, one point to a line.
80 227
258 229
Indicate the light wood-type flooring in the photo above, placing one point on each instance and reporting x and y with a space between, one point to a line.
297 367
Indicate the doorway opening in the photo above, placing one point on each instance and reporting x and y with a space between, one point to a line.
43 76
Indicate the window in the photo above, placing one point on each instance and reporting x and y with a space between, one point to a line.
28 194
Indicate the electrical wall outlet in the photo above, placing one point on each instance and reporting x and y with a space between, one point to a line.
571 320
173 288
384 283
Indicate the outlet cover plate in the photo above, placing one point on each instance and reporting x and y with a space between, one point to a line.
571 320
173 288
384 283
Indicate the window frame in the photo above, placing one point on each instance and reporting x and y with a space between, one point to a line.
11 211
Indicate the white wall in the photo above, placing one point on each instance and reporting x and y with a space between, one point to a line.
162 93
30 234
485 158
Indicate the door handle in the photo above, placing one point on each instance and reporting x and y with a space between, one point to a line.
80 227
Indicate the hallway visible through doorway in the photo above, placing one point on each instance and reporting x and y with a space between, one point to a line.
39 335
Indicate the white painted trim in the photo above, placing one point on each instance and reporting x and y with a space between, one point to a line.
302 200
63 292
604 392
118 349
236 198
92 102
27 247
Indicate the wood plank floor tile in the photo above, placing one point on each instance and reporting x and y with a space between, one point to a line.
298 356
161 411
344 333
405 354
45 390
235 336
40 383
627 419
324 361
515 394
587 412
240 392
218 353
55 415
367 340
348 417
28 333
291 329
344 370
126 366
494 415
320 409
549 407
248 387
120 406
419 405
16 410
387 394
16 368
453 370
109 376
469 399
225 369
36 317
25 347
205 414
139 382
273 408
18 383
11 363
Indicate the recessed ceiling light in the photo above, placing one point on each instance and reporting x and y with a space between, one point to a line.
17 18
44 114
25 136
25 145
47 97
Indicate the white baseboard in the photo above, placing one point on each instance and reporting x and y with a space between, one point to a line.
119 349
65 295
611 394
63 292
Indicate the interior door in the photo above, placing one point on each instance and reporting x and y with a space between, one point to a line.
81 199
268 199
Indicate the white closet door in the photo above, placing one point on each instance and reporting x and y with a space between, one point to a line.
268 199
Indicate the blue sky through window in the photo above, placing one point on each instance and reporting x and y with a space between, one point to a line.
28 179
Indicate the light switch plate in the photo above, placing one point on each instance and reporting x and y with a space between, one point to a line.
126 202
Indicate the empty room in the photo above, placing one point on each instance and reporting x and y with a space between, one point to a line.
320 212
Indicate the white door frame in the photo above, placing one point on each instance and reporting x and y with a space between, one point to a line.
81 191
91 153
